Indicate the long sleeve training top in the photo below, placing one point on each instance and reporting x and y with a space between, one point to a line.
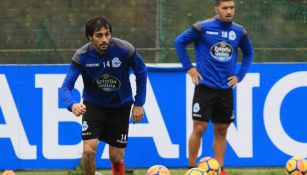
106 76
216 47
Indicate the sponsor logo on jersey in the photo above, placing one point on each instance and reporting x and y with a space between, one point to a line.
221 51
232 35
107 83
212 33
92 65
116 62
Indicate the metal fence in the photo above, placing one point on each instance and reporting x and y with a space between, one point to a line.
50 31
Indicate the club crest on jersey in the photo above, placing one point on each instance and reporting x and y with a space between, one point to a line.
221 51
196 107
84 126
107 83
232 35
116 62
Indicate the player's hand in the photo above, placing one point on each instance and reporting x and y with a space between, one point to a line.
195 75
232 81
137 113
78 109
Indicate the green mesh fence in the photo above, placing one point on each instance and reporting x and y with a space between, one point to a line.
278 28
50 31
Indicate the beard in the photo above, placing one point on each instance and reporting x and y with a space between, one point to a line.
101 47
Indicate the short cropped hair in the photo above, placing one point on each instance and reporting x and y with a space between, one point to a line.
94 24
218 2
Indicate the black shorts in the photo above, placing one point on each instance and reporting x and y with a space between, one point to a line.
211 103
110 125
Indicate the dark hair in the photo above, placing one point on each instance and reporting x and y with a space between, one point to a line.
218 2
94 24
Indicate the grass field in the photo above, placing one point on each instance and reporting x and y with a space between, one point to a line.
231 171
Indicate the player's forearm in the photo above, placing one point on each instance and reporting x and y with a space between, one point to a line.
67 98
140 72
68 86
248 56
246 62
141 81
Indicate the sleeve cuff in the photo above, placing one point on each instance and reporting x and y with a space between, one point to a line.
188 68
138 104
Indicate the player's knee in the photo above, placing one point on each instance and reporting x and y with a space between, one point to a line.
222 132
199 130
116 159
116 156
89 154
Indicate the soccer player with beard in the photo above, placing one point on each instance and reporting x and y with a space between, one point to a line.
104 63
216 42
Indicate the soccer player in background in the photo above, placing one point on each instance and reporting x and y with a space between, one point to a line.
216 42
104 63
